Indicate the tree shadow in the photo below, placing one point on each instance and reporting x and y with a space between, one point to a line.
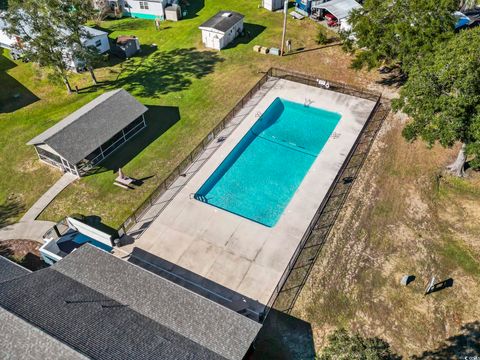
284 337
466 345
163 72
392 76
193 7
159 119
8 210
17 96
250 32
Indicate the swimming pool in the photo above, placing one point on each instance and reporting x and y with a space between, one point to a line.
261 174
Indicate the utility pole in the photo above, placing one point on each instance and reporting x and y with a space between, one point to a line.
285 10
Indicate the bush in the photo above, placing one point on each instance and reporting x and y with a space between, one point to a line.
322 38
343 345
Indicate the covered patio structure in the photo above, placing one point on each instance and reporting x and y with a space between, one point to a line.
339 8
87 136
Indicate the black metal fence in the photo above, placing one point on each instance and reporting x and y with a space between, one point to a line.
301 263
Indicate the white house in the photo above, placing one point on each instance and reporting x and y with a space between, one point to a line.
152 9
222 29
96 38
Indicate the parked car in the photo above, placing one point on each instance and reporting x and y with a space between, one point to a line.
332 23
330 17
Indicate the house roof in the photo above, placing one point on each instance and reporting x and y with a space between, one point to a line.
222 21
94 32
107 308
10 270
338 8
20 340
14 330
83 131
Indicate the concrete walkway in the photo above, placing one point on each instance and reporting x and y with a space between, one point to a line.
48 197
26 230
30 229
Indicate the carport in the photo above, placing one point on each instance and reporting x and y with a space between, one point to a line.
338 8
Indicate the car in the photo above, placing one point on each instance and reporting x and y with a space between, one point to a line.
332 23
330 17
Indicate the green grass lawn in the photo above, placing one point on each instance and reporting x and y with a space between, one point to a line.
187 88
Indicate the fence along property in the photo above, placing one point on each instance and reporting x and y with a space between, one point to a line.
290 284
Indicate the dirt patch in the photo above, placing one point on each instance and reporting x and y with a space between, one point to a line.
24 252
399 220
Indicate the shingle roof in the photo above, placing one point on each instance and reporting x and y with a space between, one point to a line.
223 21
92 323
106 308
204 321
20 340
83 131
9 270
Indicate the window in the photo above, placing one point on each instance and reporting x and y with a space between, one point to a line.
144 5
98 43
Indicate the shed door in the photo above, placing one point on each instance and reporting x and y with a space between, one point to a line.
216 43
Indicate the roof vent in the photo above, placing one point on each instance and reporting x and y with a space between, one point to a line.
227 14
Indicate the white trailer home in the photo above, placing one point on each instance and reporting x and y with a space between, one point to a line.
95 38
152 9
222 29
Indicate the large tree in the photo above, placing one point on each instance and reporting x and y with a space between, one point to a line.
38 37
442 98
71 18
51 33
398 32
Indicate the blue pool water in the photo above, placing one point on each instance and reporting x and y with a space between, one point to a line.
81 239
260 175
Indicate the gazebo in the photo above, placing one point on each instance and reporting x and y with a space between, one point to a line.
87 136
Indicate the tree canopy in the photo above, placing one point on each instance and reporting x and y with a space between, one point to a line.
398 31
51 32
442 96
342 345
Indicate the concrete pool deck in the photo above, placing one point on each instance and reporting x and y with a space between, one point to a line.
239 254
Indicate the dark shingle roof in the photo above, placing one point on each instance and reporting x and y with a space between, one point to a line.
191 315
9 270
223 21
92 323
83 131
106 308
20 340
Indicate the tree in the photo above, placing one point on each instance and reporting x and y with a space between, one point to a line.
442 98
72 18
39 41
52 33
345 346
398 32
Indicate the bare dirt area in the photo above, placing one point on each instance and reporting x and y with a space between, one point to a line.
403 217
23 252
